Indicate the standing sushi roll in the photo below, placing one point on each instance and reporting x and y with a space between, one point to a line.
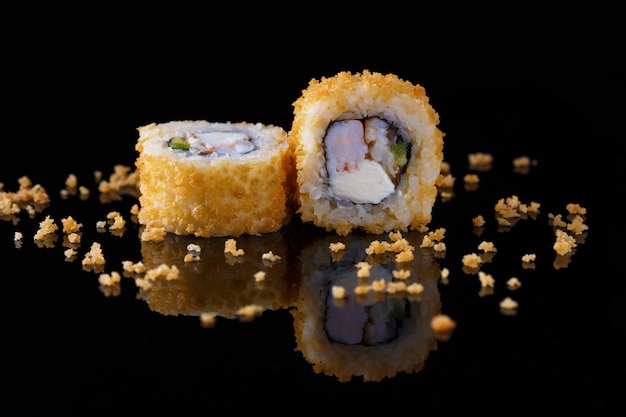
213 179
367 152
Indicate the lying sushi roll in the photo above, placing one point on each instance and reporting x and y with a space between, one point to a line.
367 152
213 179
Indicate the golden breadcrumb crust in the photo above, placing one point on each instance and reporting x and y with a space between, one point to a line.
360 95
214 197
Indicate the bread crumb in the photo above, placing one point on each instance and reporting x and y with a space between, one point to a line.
134 267
401 273
70 253
270 256
444 273
362 289
18 236
230 247
70 225
575 208
415 288
337 246
191 257
513 283
170 273
508 304
471 179
471 260
248 312
377 247
379 285
394 287
564 243
445 181
487 246
74 237
529 257
481 161
478 221
259 276
109 279
338 291
401 245
118 220
442 326
155 233
486 280
577 225
405 256
46 227
94 256
439 247
208 319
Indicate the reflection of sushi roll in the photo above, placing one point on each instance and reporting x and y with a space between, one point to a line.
374 335
368 152
214 179
217 282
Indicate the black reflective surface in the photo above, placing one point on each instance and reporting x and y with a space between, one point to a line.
79 84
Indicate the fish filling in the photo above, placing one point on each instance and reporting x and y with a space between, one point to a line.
365 159
212 143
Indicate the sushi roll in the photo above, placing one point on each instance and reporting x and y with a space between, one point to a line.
213 179
367 153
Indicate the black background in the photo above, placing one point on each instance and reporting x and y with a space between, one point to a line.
78 80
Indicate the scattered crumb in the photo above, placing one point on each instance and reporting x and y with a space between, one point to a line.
529 257
415 288
513 283
259 276
248 312
405 256
401 273
46 227
564 243
442 326
338 291
508 304
208 319
270 256
478 221
230 247
94 256
337 246
363 269
486 280
472 260
109 279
